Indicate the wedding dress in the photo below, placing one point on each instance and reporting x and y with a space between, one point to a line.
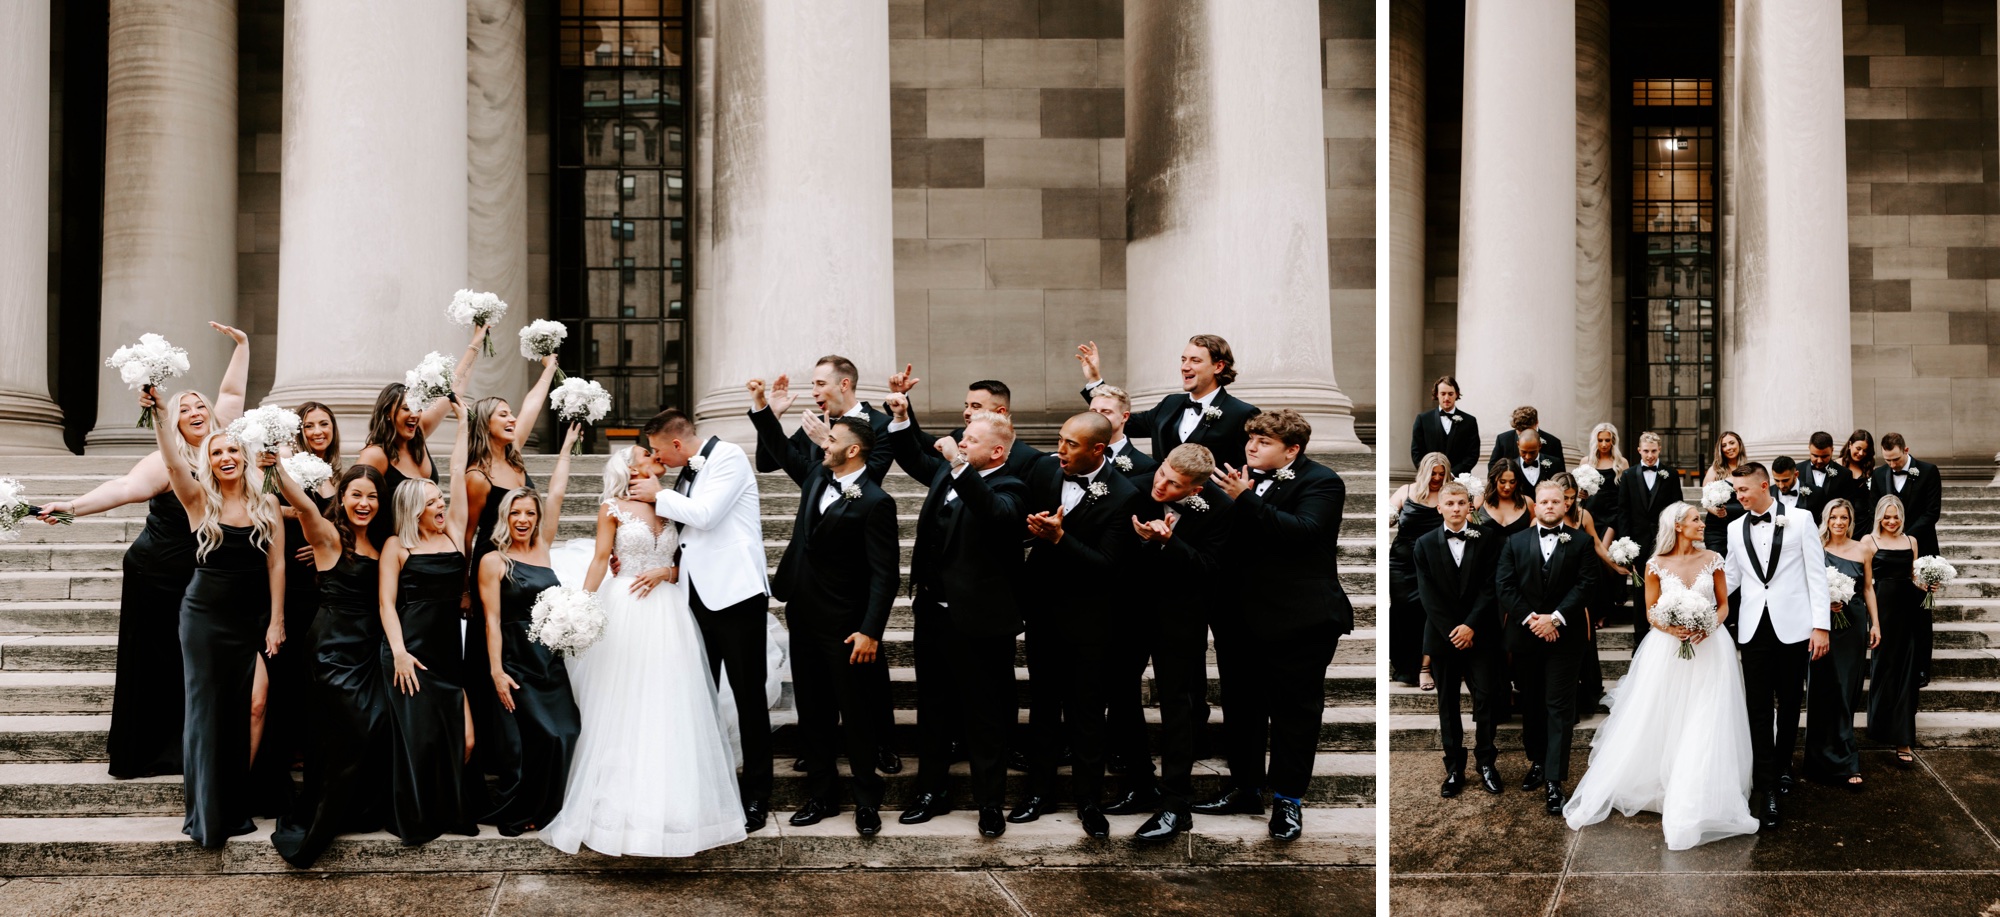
1677 741
652 774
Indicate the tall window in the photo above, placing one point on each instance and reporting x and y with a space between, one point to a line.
620 203
1670 269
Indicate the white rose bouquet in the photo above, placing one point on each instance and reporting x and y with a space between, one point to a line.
1625 552
308 469
580 401
152 362
1473 486
427 383
1934 573
566 619
1690 610
1840 588
262 430
1588 480
543 338
1716 494
477 310
13 509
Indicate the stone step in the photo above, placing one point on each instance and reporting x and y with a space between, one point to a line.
1414 732
1944 695
55 692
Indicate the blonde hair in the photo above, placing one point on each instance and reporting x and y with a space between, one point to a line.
263 517
1618 462
1826 515
479 450
1111 391
1421 487
1191 459
1882 509
1667 538
195 453
411 497
1453 487
617 475
1650 437
503 534
1003 426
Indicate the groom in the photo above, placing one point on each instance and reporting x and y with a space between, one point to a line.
1776 570
714 502
1546 574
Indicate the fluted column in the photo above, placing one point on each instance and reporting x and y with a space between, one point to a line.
169 195
30 423
1595 328
1517 235
804 251
1791 246
1406 396
1225 162
373 235
496 101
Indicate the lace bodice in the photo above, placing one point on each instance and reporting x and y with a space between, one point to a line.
638 549
1668 577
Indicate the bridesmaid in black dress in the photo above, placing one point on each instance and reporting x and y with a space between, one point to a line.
396 434
538 722
288 712
1835 682
146 702
423 586
1892 680
233 611
1853 478
1590 678
347 766
1504 510
1415 506
1728 455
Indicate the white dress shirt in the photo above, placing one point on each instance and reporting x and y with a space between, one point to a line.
1533 472
1652 475
1265 484
1761 535
1444 420
1549 541
833 489
1191 417
1072 492
1456 545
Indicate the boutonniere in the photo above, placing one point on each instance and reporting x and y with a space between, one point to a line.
1283 474
1211 413
1122 463
1545 463
851 492
1563 537
1471 532
1780 520
1457 419
1097 490
695 462
1913 471
1805 491
1196 503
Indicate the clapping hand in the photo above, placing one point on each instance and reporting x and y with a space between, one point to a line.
781 396
901 383
1233 480
1086 354
1155 532
816 426
1048 527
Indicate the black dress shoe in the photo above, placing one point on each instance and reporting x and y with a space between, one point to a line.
755 812
1135 802
1556 798
1785 783
1771 818
867 821
888 762
1233 801
1163 826
1094 822
990 822
1454 783
1287 820
812 813
1017 761
927 807
1030 809
799 764
1117 764
957 752
1533 781
1489 779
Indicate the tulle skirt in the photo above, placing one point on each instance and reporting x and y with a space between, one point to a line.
1677 742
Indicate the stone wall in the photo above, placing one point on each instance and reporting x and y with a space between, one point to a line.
1347 32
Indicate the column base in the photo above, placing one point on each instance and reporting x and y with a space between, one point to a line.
30 425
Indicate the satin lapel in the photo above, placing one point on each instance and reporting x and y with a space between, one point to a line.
810 494
1777 544
832 510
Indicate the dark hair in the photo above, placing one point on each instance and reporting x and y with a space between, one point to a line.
864 434
995 387
479 444
379 528
1822 440
1445 380
1219 352
1894 441
1751 470
1526 416
1284 425
1783 464
1742 452
1868 457
382 425
1493 482
332 456
843 368
672 420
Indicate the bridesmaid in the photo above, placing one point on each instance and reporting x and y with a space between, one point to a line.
234 608
1835 682
1728 455
1504 510
396 434
1892 680
1608 459
422 577
146 703
1414 506
1853 478
1590 679
347 767
289 710
539 723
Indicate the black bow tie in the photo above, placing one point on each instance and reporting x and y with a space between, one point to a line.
1899 472
1459 535
1652 468
1258 474
1548 533
1760 518
1077 479
1788 493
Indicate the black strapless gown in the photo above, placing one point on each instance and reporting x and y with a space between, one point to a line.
430 789
488 758
347 766
540 735
146 711
394 478
1834 688
1892 679
1406 611
287 707
223 618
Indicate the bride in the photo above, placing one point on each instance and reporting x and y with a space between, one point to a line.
1676 742
652 774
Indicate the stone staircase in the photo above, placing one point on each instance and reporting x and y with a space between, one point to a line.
60 814
1960 707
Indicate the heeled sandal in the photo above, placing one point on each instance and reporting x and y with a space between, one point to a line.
1906 758
1424 680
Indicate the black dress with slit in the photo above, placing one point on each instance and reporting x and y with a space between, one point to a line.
146 711
1406 610
347 765
224 616
487 758
430 788
540 735
1892 677
1834 687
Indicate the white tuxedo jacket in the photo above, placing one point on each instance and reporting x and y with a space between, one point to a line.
722 538
1796 597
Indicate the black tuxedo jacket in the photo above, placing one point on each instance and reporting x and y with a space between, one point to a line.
1816 496
840 573
1508 445
1223 436
1287 543
774 448
1458 593
1640 510
1526 588
1184 574
1461 445
1020 459
1065 582
1143 466
972 551
1923 501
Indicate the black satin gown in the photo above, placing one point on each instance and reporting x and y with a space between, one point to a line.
223 619
287 707
1406 610
146 710
430 789
1843 485
1833 688
1892 678
393 478
487 758
540 735
1503 711
347 766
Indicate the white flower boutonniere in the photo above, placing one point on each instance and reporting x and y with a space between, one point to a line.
1780 520
1196 503
1122 463
1913 471
851 492
1805 491
1471 532
1563 537
1283 474
1211 413
1545 463
1098 489
1455 418
695 462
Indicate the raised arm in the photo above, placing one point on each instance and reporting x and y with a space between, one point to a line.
537 397
1317 511
146 480
558 488
319 532
235 379
727 480
984 501
916 461
774 448
461 379
179 475
454 520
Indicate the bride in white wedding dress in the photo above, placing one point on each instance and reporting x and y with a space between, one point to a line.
652 774
1677 741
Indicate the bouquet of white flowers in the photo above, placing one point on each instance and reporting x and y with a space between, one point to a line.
13 509
1624 552
580 401
152 361
541 338
1934 571
1716 494
262 430
476 310
308 469
566 620
427 383
1839 587
1473 486
1588 480
1687 609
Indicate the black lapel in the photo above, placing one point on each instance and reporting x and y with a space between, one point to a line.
832 509
1763 571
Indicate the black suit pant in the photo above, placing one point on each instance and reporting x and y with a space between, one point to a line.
1774 675
1177 646
735 638
965 687
1547 674
1274 690
836 710
1480 668
1065 706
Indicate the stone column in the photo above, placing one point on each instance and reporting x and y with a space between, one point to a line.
1406 397
803 241
1225 162
1595 326
30 423
1517 236
1791 246
169 196
496 101
373 235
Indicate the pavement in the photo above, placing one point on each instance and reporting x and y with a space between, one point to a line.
1923 840
1269 892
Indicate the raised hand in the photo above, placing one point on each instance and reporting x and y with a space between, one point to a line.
1086 354
781 395
898 405
948 447
1233 480
756 388
816 426
901 383
234 334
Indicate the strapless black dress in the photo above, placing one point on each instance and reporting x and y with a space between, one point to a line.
1892 679
540 735
146 709
430 789
223 619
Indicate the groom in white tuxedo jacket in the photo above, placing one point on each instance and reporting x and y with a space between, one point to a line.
1776 570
